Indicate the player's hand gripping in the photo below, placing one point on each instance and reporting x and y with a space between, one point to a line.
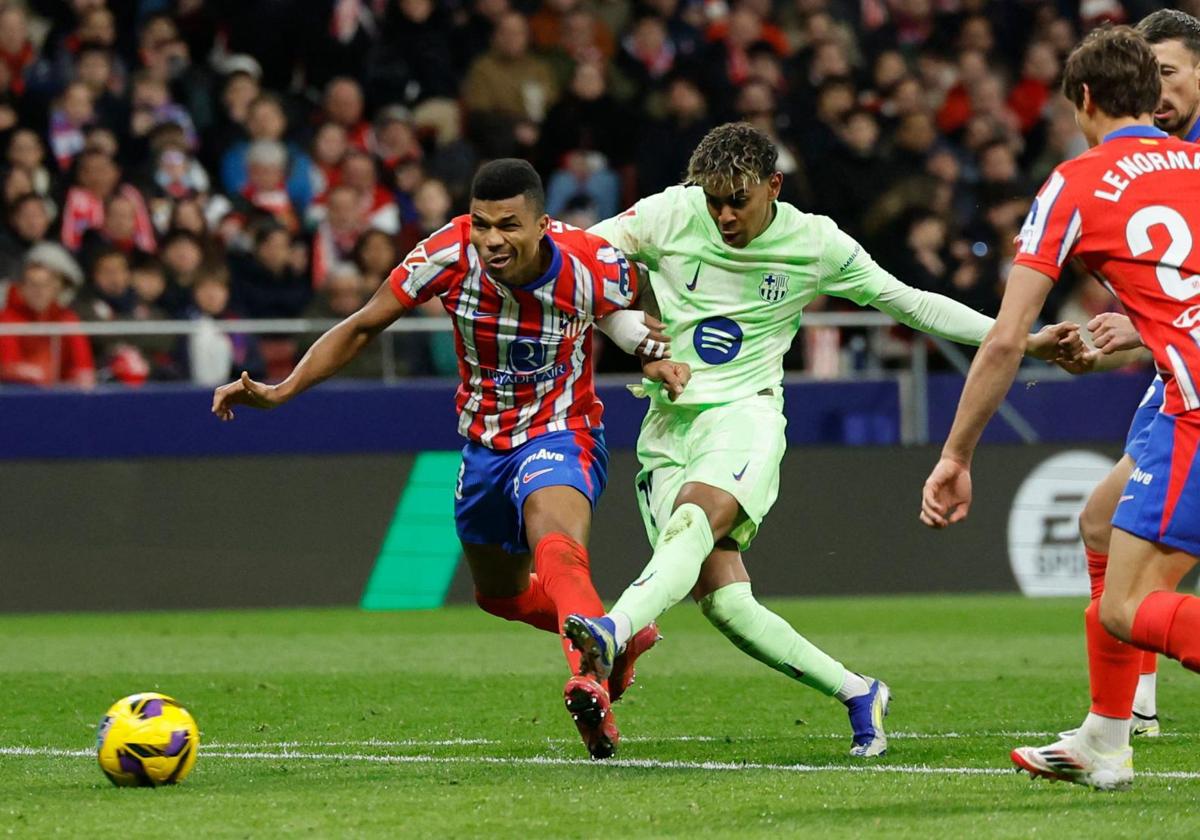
946 498
1112 332
673 375
1055 342
656 344
244 391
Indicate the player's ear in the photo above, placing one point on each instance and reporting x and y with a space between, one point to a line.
543 223
775 184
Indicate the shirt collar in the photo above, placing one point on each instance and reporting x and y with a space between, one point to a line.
1134 131
1193 135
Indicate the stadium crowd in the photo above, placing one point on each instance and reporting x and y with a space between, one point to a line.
210 159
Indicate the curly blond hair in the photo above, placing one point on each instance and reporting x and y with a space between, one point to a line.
732 156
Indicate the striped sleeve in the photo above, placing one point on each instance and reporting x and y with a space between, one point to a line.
1052 228
429 268
614 278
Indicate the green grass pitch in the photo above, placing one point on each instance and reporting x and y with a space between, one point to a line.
450 723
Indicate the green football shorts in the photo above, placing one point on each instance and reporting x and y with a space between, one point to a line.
735 447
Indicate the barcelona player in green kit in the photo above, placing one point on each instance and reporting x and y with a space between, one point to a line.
732 269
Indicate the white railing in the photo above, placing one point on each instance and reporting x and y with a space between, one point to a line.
912 382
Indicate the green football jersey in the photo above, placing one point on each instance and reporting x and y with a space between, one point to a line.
732 313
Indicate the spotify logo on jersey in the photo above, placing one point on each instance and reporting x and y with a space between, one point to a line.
717 340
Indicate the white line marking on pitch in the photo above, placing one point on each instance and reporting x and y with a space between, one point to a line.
551 761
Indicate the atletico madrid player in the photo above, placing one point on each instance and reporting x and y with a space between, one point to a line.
523 291
1126 209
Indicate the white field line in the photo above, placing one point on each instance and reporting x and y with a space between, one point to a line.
551 761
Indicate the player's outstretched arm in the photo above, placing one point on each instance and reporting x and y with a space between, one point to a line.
947 493
331 352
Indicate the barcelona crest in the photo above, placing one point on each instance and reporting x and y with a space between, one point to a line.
773 287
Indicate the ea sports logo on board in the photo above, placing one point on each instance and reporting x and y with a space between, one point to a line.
1044 546
717 340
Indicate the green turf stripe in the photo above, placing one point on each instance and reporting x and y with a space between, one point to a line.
419 553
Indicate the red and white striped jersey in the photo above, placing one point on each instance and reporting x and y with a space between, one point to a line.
1127 209
524 352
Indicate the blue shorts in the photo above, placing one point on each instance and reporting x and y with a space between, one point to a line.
1139 429
489 499
1161 501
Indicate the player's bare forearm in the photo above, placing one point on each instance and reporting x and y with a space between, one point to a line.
338 347
1122 358
990 377
995 366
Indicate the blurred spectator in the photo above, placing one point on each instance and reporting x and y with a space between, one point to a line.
1031 94
209 355
567 25
647 54
44 360
376 203
97 179
118 230
71 114
182 254
343 104
507 91
109 296
265 282
376 254
433 207
666 144
584 180
28 223
266 122
95 67
854 174
26 152
152 107
149 283
329 148
394 138
337 233
413 53
265 190
587 118
17 53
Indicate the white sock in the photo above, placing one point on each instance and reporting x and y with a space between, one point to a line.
1106 733
1145 702
624 627
853 685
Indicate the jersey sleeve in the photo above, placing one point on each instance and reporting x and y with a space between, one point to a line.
636 231
615 278
847 270
429 269
1051 230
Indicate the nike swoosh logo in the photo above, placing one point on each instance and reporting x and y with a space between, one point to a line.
1124 499
691 287
737 476
528 477
643 580
477 315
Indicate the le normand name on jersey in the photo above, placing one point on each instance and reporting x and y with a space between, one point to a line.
1142 163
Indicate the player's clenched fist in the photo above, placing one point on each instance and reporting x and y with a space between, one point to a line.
673 375
946 498
244 391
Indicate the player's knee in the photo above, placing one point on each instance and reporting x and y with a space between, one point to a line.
729 607
1116 616
1095 528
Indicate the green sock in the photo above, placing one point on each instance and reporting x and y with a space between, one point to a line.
672 571
757 631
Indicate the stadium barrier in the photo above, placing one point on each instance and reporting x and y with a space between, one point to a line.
221 531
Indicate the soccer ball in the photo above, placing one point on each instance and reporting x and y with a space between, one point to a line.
147 740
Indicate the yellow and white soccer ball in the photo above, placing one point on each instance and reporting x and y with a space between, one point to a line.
147 740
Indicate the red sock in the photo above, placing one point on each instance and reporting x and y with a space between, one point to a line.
1149 662
1169 622
1097 566
1112 668
562 565
532 606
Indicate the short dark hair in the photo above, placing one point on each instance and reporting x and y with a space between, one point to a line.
508 178
1119 69
731 157
1171 25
